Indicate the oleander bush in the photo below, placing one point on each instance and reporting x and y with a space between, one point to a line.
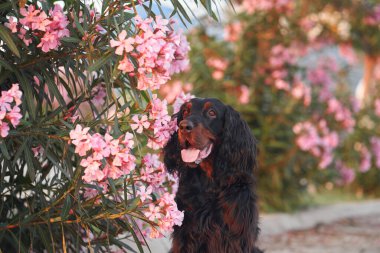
81 126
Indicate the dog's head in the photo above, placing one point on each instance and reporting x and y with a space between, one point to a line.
210 134
200 125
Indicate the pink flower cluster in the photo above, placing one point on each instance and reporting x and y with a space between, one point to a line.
159 52
164 211
103 156
280 58
219 65
365 158
317 140
233 31
10 113
106 157
251 6
162 124
375 143
373 18
347 175
341 113
50 28
377 107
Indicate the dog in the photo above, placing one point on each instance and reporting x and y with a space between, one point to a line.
214 154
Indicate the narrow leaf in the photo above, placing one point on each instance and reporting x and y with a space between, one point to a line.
6 36
66 208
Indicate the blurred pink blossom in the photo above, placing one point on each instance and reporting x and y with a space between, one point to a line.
365 162
348 53
377 107
243 94
232 31
318 140
347 175
375 146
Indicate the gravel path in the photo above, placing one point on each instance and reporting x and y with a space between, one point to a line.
349 235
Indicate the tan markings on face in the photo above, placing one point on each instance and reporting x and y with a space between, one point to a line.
207 105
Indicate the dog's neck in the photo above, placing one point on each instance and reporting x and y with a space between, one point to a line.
207 166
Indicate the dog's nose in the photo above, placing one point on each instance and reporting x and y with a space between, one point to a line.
186 126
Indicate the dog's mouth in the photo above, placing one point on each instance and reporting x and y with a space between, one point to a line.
195 155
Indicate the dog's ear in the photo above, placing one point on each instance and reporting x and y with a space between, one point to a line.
238 147
172 150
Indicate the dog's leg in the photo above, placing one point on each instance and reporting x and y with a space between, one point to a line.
240 214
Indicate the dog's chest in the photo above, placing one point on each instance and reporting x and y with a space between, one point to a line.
196 191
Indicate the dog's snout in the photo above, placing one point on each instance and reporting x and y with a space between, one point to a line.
186 126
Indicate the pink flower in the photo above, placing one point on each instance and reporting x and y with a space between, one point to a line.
49 41
151 160
4 129
346 51
80 139
347 174
12 25
92 170
126 65
281 84
140 124
79 133
153 212
232 31
29 15
22 35
375 145
14 116
41 22
144 193
377 107
365 155
244 94
15 92
9 109
128 140
122 45
99 95
38 151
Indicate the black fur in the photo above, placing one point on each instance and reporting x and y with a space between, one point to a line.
221 214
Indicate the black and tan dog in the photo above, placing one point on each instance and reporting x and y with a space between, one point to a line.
214 154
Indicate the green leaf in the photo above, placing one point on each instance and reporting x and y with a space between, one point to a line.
71 40
7 65
6 36
66 208
53 88
28 94
100 62
29 162
78 25
136 239
4 150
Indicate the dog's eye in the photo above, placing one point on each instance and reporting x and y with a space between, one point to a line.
185 112
212 113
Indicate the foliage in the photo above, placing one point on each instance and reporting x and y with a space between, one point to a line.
80 126
273 65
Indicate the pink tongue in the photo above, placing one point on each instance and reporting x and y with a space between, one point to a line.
189 155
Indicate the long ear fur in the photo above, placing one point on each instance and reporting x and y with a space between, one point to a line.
172 151
237 152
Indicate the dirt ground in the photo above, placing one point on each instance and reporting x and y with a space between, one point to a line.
353 235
